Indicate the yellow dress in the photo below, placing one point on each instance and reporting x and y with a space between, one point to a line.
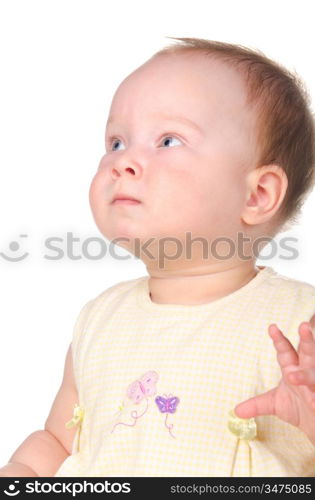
157 382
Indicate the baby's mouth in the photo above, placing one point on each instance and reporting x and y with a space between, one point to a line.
125 202
124 199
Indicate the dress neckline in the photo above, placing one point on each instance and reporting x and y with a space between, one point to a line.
145 302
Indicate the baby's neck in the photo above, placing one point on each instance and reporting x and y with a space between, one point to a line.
199 285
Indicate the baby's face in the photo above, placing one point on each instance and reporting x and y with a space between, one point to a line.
181 140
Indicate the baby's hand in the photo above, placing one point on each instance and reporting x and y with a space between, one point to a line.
293 400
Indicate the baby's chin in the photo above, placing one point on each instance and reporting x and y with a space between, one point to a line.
125 237
141 242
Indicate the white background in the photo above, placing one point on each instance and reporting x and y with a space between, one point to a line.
61 62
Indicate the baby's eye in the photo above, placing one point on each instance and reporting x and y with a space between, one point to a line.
112 143
169 138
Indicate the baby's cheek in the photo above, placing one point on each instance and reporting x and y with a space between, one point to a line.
93 192
98 203
97 188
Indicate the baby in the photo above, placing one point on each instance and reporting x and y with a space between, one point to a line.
205 367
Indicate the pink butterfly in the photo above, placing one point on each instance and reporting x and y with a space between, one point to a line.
143 387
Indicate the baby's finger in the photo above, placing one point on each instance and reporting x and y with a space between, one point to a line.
286 354
303 377
263 404
306 348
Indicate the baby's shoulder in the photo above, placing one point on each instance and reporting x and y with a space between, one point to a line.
287 299
101 304
298 288
290 302
116 291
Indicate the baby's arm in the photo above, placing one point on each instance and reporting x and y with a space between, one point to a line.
42 453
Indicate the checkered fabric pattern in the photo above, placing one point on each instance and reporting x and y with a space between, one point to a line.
209 356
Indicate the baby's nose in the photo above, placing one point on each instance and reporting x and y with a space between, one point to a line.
117 172
125 167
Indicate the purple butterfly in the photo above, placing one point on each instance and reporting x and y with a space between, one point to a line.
167 404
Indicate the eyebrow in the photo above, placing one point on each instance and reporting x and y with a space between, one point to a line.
167 116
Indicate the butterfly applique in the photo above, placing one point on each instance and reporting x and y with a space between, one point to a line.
143 388
140 389
167 404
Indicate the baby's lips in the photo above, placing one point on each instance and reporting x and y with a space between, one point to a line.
124 196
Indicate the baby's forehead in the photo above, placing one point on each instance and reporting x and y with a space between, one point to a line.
187 82
208 93
165 68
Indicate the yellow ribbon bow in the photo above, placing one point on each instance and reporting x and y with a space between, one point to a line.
243 428
78 414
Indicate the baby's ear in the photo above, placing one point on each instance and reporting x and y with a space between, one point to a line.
265 189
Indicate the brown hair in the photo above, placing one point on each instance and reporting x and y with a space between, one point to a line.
285 122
